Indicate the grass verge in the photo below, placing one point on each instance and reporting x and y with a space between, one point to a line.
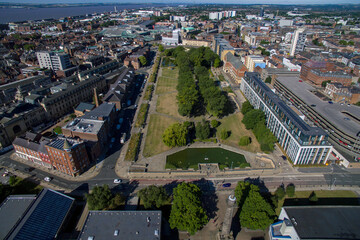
133 147
140 120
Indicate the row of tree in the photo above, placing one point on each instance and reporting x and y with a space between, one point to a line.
254 119
192 95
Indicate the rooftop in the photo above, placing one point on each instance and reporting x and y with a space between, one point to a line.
82 107
129 225
332 113
60 141
325 222
12 210
103 111
84 125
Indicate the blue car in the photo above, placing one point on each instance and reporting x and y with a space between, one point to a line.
226 184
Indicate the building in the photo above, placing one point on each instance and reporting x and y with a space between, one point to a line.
142 225
286 22
343 94
53 60
61 103
338 120
196 43
31 147
253 61
318 77
68 156
221 15
234 67
303 144
178 18
39 217
298 41
221 47
82 108
323 66
172 38
317 223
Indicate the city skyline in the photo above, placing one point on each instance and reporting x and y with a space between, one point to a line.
282 2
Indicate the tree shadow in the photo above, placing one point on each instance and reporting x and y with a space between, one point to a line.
258 182
127 188
169 187
235 223
80 190
209 197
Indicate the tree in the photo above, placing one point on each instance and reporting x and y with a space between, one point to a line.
244 141
290 190
202 130
246 107
153 196
214 123
224 134
12 181
161 48
143 60
253 117
99 198
187 214
117 201
313 198
241 192
324 83
256 213
268 79
57 130
280 192
217 63
175 135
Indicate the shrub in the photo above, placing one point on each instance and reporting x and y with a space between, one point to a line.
290 190
214 123
244 141
224 134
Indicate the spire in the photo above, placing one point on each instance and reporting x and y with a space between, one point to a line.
67 145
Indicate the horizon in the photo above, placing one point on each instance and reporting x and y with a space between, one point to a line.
190 2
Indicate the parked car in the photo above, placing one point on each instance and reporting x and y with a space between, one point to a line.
226 184
117 180
313 105
330 102
47 179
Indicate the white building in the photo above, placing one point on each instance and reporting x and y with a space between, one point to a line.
53 60
172 39
303 144
220 15
178 18
298 41
286 23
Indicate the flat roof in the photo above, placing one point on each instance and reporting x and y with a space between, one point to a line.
129 225
332 112
325 222
11 211
84 125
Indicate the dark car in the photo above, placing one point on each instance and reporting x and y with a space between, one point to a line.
330 102
226 184
313 105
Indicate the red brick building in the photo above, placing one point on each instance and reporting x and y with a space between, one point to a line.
315 65
317 77
234 67
68 156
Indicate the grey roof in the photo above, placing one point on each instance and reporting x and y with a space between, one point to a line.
22 142
102 111
236 62
59 142
44 218
12 210
290 114
130 225
82 107
325 222
25 81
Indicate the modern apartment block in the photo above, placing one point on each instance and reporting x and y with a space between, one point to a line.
253 61
221 47
220 15
303 144
298 41
53 60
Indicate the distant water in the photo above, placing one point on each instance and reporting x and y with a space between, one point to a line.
23 14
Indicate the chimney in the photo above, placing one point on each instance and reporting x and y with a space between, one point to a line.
96 98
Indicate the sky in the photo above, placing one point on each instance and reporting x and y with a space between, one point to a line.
289 2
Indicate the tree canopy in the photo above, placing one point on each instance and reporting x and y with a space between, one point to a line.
175 135
99 198
143 60
256 213
153 196
187 214
246 107
202 130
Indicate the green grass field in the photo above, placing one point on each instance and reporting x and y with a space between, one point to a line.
326 197
191 157
167 81
153 142
233 123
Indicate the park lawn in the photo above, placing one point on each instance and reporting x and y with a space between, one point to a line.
153 142
165 85
167 104
319 194
233 123
168 72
